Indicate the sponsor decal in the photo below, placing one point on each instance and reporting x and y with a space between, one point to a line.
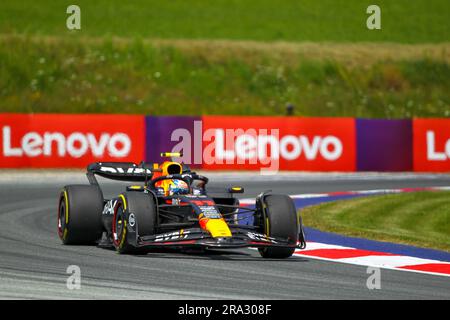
177 235
131 220
431 145
197 193
200 202
210 212
131 170
260 237
49 140
108 209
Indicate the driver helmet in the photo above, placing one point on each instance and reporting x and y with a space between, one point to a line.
177 187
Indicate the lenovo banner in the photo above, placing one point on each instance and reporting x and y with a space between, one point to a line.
279 143
62 140
267 144
431 145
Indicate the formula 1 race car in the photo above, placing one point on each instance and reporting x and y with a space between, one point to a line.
173 208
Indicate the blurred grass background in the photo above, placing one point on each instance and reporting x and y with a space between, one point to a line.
227 57
405 21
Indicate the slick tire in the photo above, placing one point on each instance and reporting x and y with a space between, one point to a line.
80 215
134 214
281 221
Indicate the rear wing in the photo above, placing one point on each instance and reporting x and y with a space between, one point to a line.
122 171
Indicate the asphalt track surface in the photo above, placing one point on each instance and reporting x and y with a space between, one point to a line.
33 262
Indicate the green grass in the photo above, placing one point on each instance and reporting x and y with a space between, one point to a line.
243 57
53 74
405 21
421 219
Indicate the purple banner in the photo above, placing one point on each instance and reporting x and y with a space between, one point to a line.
384 145
170 133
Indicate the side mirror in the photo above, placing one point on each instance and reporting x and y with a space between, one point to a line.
171 154
236 190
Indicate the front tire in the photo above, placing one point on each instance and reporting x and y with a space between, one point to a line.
280 221
134 215
79 214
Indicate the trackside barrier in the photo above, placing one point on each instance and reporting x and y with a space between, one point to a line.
227 142
431 144
68 141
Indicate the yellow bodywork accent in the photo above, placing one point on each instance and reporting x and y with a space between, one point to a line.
267 227
136 187
124 202
124 234
66 199
218 228
165 166
171 154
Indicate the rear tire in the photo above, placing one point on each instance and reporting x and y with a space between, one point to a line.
80 214
281 221
142 207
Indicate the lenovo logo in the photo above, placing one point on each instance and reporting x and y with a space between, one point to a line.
434 152
76 144
262 146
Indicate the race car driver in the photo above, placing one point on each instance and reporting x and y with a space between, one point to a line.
171 186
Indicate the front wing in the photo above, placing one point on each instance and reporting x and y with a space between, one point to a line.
197 238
